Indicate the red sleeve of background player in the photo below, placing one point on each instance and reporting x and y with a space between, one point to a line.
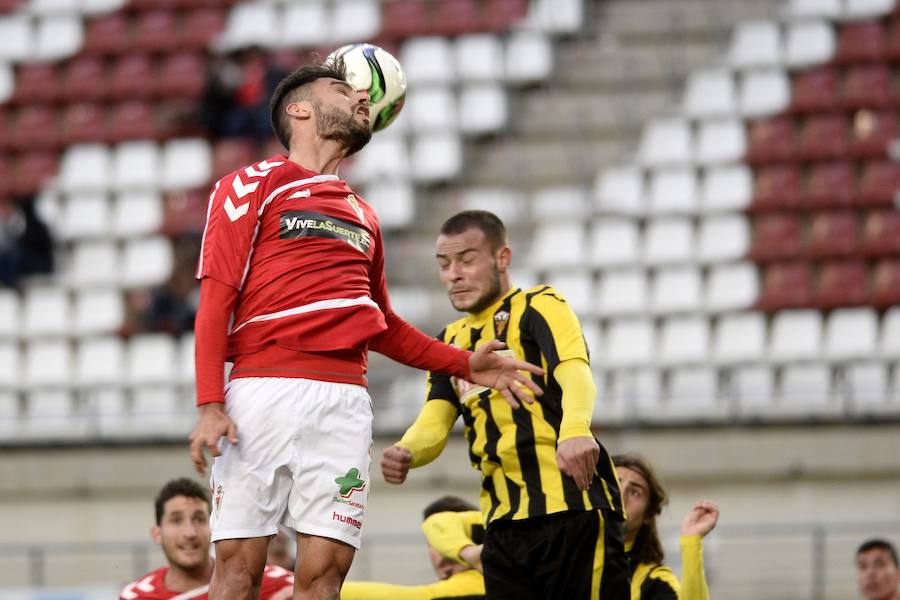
403 342
275 579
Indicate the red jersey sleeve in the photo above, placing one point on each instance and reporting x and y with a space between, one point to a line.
274 580
403 342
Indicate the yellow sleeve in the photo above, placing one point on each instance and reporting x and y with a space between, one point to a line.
427 436
578 396
467 584
693 576
450 532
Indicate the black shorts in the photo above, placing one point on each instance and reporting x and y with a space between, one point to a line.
572 555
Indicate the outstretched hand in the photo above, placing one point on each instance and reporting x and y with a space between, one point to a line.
213 425
701 519
502 373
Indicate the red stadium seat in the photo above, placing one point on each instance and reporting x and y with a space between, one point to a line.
405 18
777 237
844 283
153 5
201 26
454 17
786 285
500 15
772 140
185 212
881 234
35 128
886 284
230 155
5 129
777 187
110 34
84 122
32 170
156 31
182 75
834 235
85 79
892 49
831 184
36 83
872 132
867 86
6 176
824 137
132 120
816 90
133 77
879 183
861 42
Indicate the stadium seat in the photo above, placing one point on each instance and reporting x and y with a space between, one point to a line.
556 16
252 24
84 123
7 82
726 189
710 93
85 79
723 238
693 393
155 31
824 137
182 75
427 60
805 390
10 367
431 108
867 86
147 261
815 91
85 215
405 18
502 201
622 292
455 17
755 44
131 120
879 183
561 203
150 359
137 213
796 335
732 287
436 157
673 191
200 27
305 24
133 77
51 414
739 338
866 9
108 34
99 361
500 15
777 187
32 170
558 244
872 133
230 155
642 391
620 190
48 363
10 309
98 7
786 285
17 38
866 385
135 166
185 359
861 42
483 109
58 37
881 234
722 141
809 43
478 57
889 338
46 312
36 128
754 389
85 167
668 241
892 49
886 283
851 334
94 263
675 289
394 201
41 8
802 9
98 311
35 83
843 283
528 57
830 185
763 93
629 343
186 163
772 140
385 156
577 287
777 236
666 142
834 234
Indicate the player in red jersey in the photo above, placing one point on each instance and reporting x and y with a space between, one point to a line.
182 531
293 292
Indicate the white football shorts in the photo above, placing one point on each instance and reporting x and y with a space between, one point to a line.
302 460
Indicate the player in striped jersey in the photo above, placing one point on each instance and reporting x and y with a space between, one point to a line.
550 497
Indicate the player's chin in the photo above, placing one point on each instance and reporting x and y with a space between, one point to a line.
190 559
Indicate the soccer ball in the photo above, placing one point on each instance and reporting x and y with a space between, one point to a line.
372 68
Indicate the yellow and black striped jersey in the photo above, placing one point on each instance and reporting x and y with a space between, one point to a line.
651 581
515 450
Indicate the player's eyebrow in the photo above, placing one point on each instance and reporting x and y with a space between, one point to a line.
460 253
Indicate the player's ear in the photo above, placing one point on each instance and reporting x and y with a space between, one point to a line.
504 258
156 534
299 110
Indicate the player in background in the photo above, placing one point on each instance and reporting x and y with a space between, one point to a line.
293 292
877 572
550 499
644 497
182 531
457 579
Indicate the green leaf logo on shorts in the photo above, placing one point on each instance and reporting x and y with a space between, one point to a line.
350 483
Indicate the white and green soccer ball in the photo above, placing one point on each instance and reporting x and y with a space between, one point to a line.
372 68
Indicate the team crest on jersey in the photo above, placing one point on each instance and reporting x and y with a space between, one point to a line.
354 204
220 493
501 320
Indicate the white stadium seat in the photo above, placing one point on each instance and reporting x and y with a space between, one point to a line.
53 7
136 165
755 44
754 388
137 213
97 7
693 392
593 339
866 385
431 108
159 411
804 9
851 334
502 201
684 340
85 215
528 58
393 200
723 238
675 289
48 363
577 287
17 38
85 167
556 16
668 241
302 24
764 93
666 142
721 141
478 57
46 312
186 358
94 263
58 37
732 287
427 60
436 157
620 190
186 164
99 362
7 81
50 414
483 108
385 156
622 293
889 340
148 261
150 360
808 44
10 365
251 24
710 93
796 335
805 389
629 342
413 303
10 314
673 191
558 244
866 9
10 424
645 393
99 311
726 188
562 202
740 338
354 20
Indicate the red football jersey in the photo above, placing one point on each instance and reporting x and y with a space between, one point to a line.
304 251
153 586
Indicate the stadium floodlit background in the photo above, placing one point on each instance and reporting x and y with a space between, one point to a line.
712 183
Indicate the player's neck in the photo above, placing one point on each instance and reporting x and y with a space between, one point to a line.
318 154
185 580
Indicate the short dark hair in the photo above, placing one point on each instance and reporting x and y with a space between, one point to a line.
447 504
284 94
489 223
179 487
879 544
